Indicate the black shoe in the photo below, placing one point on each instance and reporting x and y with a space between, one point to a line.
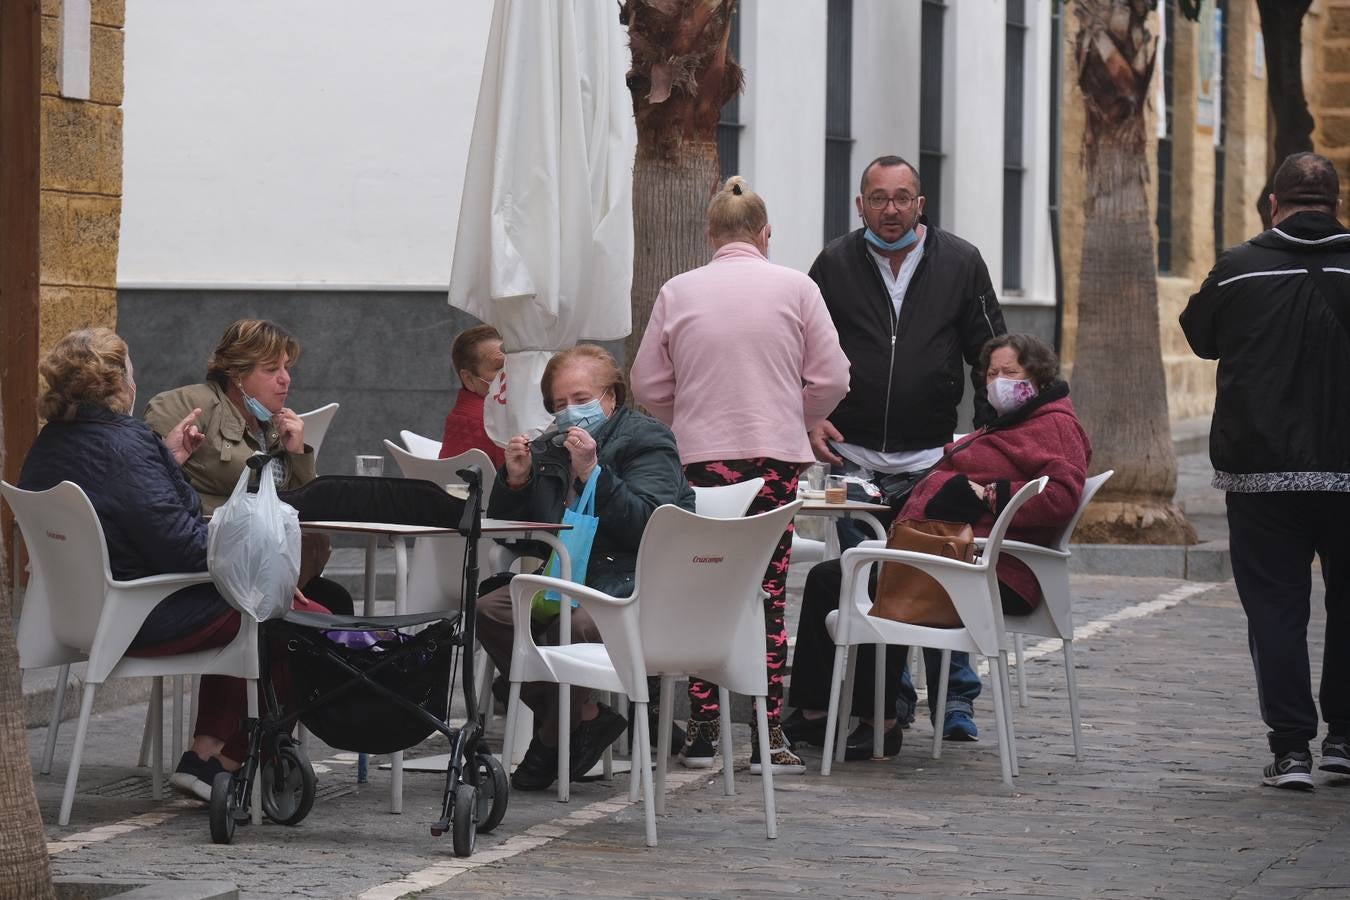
194 775
1336 755
592 737
1290 770
701 743
538 770
801 730
859 743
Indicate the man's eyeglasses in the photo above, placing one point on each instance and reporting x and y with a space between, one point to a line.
881 201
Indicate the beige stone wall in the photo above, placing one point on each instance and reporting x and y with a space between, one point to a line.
81 179
1190 381
1326 55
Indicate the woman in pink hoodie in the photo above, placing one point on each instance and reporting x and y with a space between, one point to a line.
740 359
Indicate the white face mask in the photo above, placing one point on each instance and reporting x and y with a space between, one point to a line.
1008 394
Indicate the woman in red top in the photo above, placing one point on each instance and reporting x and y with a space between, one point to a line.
477 357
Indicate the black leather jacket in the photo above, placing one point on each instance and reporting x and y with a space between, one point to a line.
906 375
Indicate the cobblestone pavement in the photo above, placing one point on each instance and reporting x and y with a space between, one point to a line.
1166 802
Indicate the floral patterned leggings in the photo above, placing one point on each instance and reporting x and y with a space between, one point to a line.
780 488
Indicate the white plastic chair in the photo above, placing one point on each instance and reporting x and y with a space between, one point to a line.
973 588
723 501
1054 617
695 610
726 501
74 609
316 424
425 447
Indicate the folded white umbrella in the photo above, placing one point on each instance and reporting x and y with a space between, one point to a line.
544 249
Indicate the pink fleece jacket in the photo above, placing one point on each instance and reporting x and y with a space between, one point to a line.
740 359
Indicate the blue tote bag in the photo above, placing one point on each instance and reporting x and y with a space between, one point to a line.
578 540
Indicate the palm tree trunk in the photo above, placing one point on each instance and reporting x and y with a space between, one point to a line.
24 870
670 206
681 77
1120 388
1282 31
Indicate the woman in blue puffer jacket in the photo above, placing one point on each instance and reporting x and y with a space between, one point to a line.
151 521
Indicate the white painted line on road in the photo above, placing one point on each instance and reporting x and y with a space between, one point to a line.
135 823
532 837
1107 622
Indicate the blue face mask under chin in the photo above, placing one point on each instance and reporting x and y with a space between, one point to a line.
900 243
259 412
589 415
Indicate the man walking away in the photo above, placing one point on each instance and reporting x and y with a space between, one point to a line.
1275 313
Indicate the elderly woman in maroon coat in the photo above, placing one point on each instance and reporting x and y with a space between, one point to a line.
1036 433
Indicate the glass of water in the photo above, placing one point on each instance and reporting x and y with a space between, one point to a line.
370 466
815 477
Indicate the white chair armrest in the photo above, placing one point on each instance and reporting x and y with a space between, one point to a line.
584 595
614 617
1018 548
170 582
859 556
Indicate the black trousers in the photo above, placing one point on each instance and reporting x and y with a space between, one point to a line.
813 658
1273 538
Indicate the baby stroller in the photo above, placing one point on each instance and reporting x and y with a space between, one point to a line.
369 684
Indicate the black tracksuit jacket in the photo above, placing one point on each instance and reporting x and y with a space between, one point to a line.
1268 314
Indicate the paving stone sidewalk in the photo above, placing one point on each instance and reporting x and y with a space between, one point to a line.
1165 803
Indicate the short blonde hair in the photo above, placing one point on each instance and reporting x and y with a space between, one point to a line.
86 367
247 344
607 370
736 212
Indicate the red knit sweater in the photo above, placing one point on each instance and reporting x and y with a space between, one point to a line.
464 430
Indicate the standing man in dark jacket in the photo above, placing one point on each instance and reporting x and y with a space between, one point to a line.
1275 313
910 302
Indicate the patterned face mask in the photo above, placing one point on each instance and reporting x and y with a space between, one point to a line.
1009 394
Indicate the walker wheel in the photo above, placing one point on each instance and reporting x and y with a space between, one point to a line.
288 785
493 791
465 819
222 808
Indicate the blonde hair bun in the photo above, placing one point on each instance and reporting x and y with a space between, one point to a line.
736 213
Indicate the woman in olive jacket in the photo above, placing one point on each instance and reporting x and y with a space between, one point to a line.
241 410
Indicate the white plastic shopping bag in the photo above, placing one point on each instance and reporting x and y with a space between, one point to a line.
253 548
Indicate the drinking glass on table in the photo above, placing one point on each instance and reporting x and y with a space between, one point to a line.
815 476
836 489
370 466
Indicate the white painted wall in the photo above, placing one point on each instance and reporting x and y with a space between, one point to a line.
783 142
322 142
1038 263
972 203
312 142
885 85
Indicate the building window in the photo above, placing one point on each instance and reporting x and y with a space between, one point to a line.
838 116
1221 125
729 122
932 35
1165 146
1014 164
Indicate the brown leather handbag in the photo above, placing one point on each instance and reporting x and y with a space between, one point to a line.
906 594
